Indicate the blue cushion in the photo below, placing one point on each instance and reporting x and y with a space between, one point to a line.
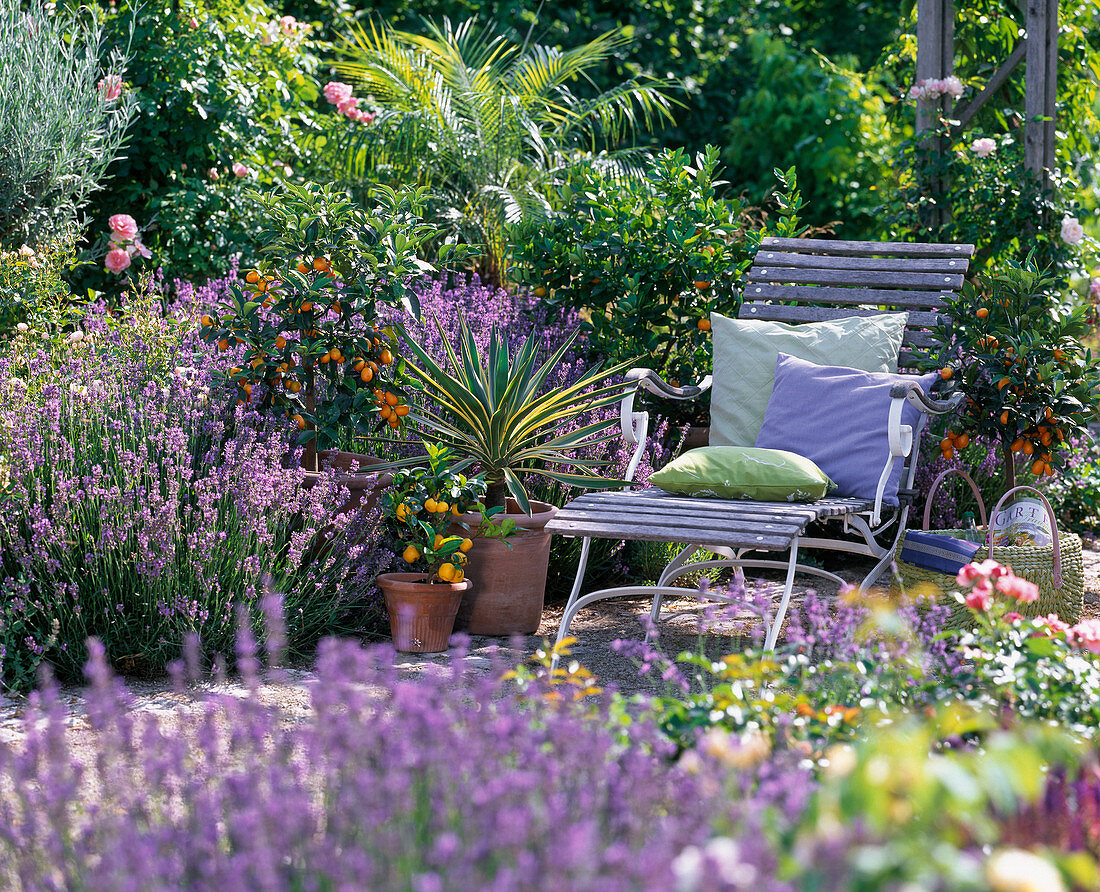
935 551
838 418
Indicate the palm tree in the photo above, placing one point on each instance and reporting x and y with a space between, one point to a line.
488 124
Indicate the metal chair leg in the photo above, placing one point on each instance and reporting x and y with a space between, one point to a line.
773 627
571 606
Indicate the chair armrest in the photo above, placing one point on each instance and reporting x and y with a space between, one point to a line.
649 381
923 402
635 425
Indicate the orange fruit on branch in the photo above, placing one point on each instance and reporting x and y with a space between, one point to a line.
206 320
946 373
321 264
252 277
982 312
703 325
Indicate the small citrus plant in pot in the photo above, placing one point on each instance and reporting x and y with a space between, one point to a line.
419 511
499 415
303 326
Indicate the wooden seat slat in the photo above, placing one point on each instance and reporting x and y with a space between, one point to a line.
653 495
647 514
865 249
871 278
816 294
708 536
779 313
776 259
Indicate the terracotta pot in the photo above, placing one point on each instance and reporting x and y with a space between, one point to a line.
510 576
353 472
422 614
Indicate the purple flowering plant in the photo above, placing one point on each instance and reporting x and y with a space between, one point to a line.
500 791
140 506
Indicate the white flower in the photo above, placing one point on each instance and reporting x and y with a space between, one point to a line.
952 86
26 250
1016 870
687 867
77 389
983 147
22 326
1072 231
726 856
75 337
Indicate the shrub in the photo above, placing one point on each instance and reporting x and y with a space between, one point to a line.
63 118
139 508
826 121
223 91
1014 348
645 262
34 298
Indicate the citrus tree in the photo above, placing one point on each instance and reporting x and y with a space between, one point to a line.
1014 348
422 513
306 316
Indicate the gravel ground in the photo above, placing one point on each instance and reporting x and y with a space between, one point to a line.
594 628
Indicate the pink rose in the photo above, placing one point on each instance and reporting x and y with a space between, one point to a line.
980 597
110 87
348 106
117 260
1072 231
123 227
1018 588
136 247
287 24
1086 634
212 173
336 92
241 170
983 147
1013 617
1053 624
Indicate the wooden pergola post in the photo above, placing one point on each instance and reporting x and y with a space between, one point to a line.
1038 50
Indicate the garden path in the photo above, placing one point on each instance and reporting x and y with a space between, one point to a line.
595 629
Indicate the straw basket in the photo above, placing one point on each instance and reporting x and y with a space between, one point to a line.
1057 569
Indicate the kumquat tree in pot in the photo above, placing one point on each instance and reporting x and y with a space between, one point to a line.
1014 349
304 322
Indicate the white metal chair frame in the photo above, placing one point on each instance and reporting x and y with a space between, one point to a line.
904 443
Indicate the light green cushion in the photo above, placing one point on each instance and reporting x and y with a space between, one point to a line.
733 472
745 352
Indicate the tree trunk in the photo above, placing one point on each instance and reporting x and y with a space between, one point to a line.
1009 464
496 496
309 457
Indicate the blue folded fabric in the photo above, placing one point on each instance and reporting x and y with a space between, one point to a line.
935 551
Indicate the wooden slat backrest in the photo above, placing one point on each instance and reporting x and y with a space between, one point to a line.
811 280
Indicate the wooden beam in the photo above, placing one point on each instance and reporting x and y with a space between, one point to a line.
1051 97
935 54
995 83
1040 89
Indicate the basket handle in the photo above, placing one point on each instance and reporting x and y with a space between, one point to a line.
1053 528
936 485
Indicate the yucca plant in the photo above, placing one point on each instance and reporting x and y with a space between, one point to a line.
497 412
490 125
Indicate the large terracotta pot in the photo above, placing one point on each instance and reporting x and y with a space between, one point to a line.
509 576
353 471
422 613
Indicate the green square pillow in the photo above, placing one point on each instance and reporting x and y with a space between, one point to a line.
746 350
733 472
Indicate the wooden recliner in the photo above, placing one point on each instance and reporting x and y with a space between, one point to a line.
792 280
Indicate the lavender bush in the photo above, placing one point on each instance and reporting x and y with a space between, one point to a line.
430 784
141 506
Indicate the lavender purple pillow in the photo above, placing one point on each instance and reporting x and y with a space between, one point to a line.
838 417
